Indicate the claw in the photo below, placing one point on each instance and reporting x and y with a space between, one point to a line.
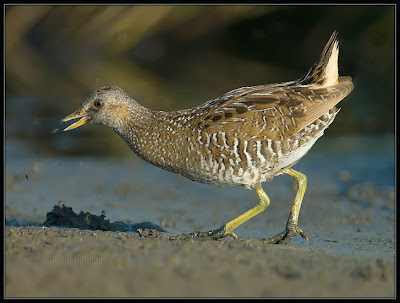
286 236
302 234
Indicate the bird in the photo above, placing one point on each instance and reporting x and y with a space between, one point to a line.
243 138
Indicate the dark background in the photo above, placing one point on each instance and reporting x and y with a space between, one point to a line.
175 57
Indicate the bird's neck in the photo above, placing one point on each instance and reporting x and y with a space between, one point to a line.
150 134
134 125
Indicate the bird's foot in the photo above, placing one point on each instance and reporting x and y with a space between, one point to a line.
286 236
216 234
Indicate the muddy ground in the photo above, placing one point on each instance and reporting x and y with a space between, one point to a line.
68 262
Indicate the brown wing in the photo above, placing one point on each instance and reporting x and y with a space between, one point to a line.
272 111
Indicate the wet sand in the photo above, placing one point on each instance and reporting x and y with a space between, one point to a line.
347 213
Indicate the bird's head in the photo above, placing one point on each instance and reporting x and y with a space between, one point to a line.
109 106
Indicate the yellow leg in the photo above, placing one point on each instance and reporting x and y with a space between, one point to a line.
293 220
228 228
235 223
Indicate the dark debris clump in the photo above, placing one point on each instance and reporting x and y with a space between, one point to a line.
64 216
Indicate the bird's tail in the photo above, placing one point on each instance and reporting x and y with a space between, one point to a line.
325 72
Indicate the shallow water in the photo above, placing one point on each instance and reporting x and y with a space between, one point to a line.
348 206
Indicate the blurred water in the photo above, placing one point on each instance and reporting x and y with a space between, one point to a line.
348 206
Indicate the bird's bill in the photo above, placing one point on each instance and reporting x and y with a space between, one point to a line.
80 113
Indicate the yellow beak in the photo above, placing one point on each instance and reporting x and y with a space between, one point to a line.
80 113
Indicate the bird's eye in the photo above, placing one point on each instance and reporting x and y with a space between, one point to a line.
98 103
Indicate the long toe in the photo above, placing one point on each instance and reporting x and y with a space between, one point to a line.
216 234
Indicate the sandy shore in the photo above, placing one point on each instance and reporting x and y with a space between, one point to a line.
68 262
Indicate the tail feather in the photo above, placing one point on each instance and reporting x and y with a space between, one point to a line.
325 72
